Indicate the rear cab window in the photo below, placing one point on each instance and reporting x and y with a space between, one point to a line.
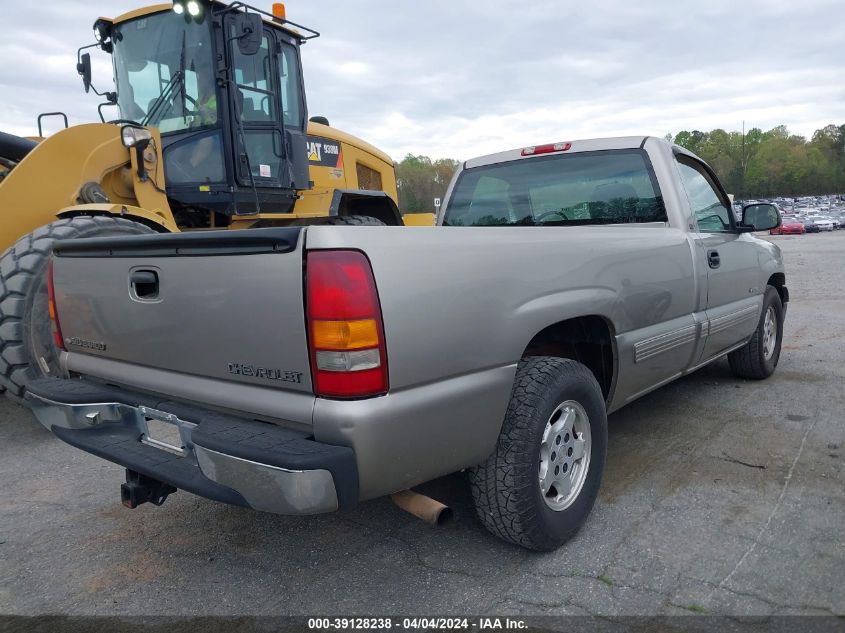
604 187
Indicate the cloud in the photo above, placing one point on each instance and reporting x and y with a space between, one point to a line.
459 78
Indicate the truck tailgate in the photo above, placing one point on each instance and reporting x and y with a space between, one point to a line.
225 305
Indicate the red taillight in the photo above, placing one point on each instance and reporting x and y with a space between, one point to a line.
345 330
549 148
58 341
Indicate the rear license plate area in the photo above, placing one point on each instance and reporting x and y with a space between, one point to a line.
164 435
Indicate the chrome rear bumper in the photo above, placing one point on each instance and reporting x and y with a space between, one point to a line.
266 467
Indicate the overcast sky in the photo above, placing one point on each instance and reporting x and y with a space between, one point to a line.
460 78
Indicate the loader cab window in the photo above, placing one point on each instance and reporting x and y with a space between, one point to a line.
195 159
161 55
291 87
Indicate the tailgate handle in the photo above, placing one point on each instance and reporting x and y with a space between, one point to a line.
144 283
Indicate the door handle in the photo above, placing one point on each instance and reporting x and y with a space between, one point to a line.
144 283
713 259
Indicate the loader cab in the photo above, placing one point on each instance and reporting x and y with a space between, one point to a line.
225 91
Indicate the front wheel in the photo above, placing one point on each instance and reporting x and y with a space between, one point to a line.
758 358
26 341
540 483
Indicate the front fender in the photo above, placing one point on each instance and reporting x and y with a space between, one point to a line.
157 220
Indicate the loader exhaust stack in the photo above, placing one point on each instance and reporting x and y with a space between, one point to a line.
14 147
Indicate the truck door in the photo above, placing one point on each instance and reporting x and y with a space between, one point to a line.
733 296
267 99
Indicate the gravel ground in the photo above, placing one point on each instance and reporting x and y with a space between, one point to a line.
721 496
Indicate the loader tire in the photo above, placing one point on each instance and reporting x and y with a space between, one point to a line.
26 341
354 220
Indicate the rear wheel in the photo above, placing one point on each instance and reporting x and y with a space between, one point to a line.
540 484
354 220
26 343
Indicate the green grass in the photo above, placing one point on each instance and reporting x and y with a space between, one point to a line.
605 580
695 608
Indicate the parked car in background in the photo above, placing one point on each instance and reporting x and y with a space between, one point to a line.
789 227
839 216
824 224
809 225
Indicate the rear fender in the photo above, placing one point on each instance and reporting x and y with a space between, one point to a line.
376 204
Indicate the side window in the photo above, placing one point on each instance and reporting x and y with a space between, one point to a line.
290 85
711 211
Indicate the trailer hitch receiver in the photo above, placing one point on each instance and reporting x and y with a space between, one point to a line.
140 489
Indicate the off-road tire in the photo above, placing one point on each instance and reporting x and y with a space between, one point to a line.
26 341
354 220
750 360
506 488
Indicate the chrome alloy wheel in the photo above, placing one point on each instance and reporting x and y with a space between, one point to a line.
770 333
564 455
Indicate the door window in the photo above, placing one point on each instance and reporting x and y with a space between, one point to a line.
711 210
255 88
255 101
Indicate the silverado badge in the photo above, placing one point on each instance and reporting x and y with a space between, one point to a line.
265 372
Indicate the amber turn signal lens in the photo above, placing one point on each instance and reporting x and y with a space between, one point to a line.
341 335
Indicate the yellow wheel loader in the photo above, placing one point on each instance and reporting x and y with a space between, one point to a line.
213 134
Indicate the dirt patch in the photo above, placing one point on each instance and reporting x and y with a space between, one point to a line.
145 567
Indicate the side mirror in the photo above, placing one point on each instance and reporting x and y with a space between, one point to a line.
84 69
762 217
248 32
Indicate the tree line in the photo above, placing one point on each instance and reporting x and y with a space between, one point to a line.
774 163
756 164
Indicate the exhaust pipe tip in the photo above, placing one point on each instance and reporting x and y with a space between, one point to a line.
429 510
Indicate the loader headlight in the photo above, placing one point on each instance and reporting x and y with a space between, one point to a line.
133 136
188 8
102 31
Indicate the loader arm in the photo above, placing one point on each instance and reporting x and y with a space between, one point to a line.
46 183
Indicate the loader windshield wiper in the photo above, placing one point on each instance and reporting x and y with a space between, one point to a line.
157 110
176 83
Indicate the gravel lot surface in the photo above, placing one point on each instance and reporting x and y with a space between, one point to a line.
721 496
